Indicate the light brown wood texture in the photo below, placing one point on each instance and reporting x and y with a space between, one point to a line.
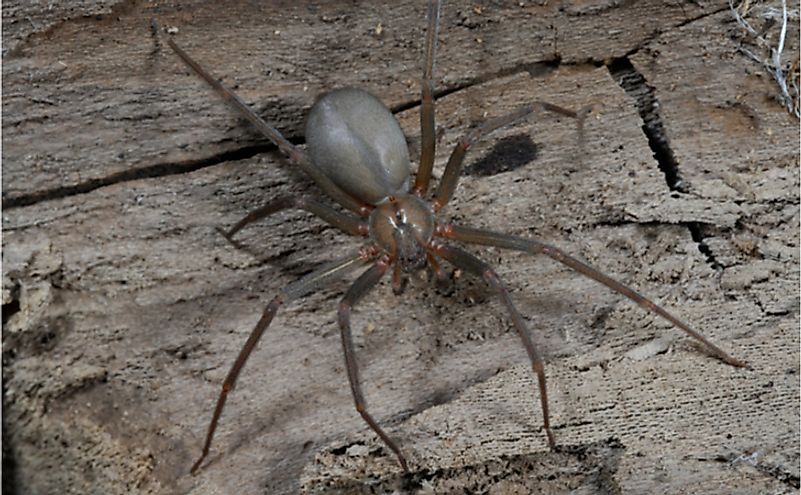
124 307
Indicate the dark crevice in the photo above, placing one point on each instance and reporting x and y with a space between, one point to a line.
157 170
12 307
644 95
634 84
697 233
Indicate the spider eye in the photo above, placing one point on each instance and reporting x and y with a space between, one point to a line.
400 216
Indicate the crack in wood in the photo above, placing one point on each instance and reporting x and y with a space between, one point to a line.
644 95
535 69
635 85
152 171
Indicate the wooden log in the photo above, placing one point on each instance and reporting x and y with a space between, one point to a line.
123 306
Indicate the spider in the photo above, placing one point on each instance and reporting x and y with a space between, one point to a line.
357 154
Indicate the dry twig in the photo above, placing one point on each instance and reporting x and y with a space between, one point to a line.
787 77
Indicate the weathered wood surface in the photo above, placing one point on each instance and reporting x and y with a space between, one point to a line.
124 307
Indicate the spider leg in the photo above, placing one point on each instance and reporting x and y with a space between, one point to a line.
360 287
466 261
309 283
447 185
488 238
399 280
427 133
343 221
295 154
441 275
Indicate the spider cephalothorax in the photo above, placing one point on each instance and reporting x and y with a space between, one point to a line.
403 226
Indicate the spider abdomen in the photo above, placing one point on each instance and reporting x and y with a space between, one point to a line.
357 142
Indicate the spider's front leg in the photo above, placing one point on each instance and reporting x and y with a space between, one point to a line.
427 131
313 281
360 287
296 155
466 261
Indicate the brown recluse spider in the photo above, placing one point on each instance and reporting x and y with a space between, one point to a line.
357 154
